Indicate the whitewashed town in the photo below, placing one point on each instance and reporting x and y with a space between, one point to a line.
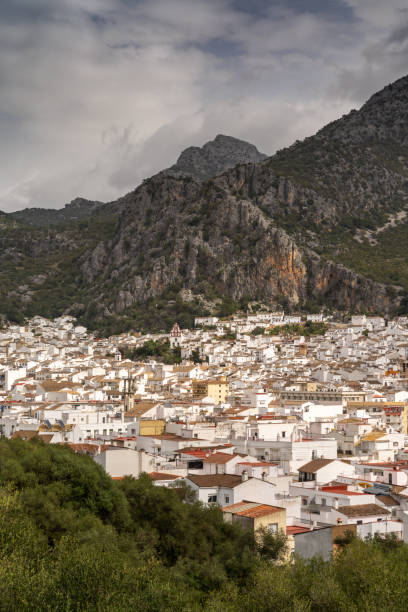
301 433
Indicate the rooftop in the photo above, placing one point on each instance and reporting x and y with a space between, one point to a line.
363 510
251 509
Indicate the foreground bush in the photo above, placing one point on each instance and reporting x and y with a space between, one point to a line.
71 539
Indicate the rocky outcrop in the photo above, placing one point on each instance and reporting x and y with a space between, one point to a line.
215 157
179 231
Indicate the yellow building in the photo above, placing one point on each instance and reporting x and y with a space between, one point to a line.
151 427
254 516
216 388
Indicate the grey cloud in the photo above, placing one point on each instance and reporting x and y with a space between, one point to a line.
382 60
98 94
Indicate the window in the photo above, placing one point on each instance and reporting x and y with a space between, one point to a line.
304 501
227 499
212 499
273 527
359 522
379 520
283 434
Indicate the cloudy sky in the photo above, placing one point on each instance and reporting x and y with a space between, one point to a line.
97 94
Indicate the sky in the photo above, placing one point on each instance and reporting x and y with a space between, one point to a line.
96 95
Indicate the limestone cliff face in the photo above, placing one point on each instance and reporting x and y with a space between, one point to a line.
180 231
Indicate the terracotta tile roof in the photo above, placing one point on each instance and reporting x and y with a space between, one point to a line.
168 436
219 458
251 509
162 476
215 480
206 449
340 490
362 510
258 463
195 453
24 434
352 420
313 466
89 449
373 436
294 529
387 500
141 408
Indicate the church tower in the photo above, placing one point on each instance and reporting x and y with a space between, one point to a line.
175 336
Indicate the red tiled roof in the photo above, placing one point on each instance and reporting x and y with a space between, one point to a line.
215 480
294 529
313 466
341 491
363 510
257 463
387 500
251 509
219 458
162 476
198 454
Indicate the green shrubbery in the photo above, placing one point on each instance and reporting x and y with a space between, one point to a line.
159 349
310 328
73 539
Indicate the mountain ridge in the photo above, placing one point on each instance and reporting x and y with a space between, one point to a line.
214 157
289 229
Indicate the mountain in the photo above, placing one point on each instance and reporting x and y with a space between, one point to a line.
215 157
77 209
323 222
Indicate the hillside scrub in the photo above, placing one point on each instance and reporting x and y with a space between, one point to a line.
71 538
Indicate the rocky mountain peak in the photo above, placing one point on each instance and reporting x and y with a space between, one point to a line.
383 117
215 157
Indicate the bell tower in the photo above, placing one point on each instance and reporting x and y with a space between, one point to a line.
175 336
